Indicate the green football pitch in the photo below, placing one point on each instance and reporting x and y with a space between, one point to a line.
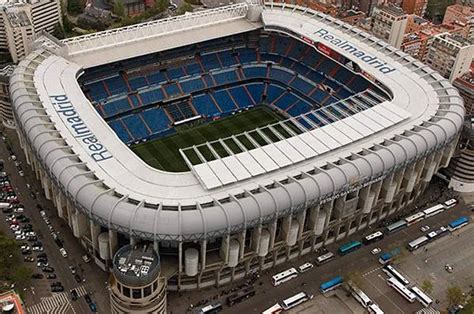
163 153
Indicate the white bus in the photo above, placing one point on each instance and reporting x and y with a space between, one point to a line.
450 203
375 309
284 276
415 218
361 297
434 210
274 309
295 300
395 284
417 243
374 237
305 267
392 272
422 297
324 258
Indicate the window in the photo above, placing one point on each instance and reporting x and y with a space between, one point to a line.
147 291
137 293
126 292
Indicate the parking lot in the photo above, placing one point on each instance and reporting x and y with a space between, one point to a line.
362 261
63 282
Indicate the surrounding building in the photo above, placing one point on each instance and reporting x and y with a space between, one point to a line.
416 23
258 205
389 23
450 55
6 114
21 22
462 15
136 285
465 85
351 16
417 7
11 303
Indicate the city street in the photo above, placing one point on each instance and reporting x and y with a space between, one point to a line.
361 261
39 298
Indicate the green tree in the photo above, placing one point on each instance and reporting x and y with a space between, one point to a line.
455 296
469 307
183 8
119 8
8 255
427 286
75 7
160 6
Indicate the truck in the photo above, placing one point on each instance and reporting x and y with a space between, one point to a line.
386 257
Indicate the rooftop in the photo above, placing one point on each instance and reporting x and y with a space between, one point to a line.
17 16
392 10
136 265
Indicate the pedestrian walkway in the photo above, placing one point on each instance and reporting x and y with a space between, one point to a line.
59 303
428 310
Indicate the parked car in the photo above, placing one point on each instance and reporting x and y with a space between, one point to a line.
37 276
42 264
38 249
449 268
63 252
72 269
424 228
93 307
51 276
77 278
86 258
20 237
25 252
57 289
74 295
88 299
48 269
29 259
375 251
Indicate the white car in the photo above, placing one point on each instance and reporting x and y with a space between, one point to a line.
19 210
21 173
376 251
424 228
63 252
14 227
18 232
20 237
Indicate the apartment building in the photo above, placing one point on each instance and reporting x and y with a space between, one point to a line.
417 7
463 16
389 23
451 55
20 22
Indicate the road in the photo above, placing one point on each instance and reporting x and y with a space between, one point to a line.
361 261
40 291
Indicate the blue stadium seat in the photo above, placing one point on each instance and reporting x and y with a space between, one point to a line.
151 96
175 73
156 78
116 85
304 123
227 58
265 43
315 76
156 119
97 91
255 71
116 106
315 119
241 97
171 89
193 68
281 45
318 95
118 128
137 82
256 91
208 80
270 57
192 85
226 77
286 101
344 93
136 127
273 92
224 101
330 100
281 75
247 55
297 50
299 108
326 66
302 85
209 61
311 58
205 106
299 68
134 101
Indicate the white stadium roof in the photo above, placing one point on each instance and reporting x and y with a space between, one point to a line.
104 178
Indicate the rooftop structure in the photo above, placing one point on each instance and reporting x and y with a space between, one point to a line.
389 23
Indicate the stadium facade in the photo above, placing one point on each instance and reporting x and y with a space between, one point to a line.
312 179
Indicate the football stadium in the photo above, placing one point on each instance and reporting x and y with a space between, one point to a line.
231 140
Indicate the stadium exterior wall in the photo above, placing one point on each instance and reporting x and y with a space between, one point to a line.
387 172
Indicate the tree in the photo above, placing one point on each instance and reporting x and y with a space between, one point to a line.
455 295
119 8
469 307
8 255
427 286
75 7
183 8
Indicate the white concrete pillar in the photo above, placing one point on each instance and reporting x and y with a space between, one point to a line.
113 242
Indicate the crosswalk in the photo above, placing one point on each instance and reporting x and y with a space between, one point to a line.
428 310
59 303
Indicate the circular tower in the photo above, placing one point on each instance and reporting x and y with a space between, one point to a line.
136 285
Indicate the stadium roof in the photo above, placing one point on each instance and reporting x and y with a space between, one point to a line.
113 186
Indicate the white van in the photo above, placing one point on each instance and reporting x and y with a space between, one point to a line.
5 205
305 267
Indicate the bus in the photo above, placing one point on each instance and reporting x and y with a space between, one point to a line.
274 309
395 284
434 210
375 309
324 258
397 226
305 267
331 284
361 297
458 223
240 296
417 243
422 297
284 276
214 307
450 203
374 237
392 272
415 218
295 300
386 257
349 247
